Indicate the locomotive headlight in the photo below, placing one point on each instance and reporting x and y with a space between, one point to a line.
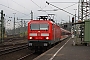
30 37
47 37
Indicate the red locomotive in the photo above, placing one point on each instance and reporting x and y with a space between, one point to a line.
43 33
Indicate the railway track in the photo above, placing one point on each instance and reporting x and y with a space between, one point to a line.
23 57
19 53
28 56
13 39
13 42
13 49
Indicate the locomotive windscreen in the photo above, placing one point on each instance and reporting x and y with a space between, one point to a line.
39 26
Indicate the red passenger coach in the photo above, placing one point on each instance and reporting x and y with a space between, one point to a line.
42 33
64 33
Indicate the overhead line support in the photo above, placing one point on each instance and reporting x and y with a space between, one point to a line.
60 8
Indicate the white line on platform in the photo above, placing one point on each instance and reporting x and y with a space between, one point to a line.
58 51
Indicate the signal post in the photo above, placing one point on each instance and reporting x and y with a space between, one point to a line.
2 28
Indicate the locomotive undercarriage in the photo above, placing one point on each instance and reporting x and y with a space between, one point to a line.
38 45
41 44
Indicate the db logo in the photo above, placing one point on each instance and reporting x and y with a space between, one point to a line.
38 34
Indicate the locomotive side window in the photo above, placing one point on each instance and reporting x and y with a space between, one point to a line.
39 26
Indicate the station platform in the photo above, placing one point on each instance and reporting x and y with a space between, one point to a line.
66 51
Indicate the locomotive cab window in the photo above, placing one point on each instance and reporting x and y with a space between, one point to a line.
34 26
39 26
44 26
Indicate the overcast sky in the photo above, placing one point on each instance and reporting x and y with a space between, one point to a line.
22 8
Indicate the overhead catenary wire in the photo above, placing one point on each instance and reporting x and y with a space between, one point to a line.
38 6
69 6
13 9
63 2
59 8
20 5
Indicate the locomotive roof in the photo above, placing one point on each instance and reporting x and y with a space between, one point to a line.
41 21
